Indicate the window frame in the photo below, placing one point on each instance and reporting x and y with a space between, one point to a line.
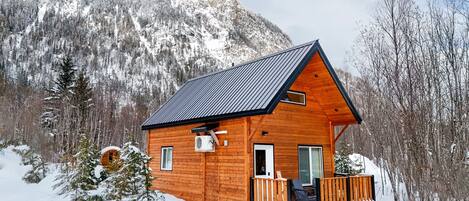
293 102
254 158
309 147
161 158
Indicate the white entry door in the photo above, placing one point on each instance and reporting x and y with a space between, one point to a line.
264 161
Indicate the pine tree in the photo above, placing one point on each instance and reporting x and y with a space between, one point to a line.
343 164
38 165
65 81
82 98
59 93
147 193
84 178
133 180
57 104
79 179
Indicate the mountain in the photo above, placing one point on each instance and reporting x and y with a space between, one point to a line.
132 46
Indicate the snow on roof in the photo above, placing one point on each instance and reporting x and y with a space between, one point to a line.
109 148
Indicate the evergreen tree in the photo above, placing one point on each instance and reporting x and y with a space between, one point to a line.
61 184
148 194
81 178
56 116
38 169
343 163
65 81
82 98
133 180
84 179
59 93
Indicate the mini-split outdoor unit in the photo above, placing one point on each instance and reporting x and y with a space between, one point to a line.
204 143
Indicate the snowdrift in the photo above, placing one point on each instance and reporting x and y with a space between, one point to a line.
13 188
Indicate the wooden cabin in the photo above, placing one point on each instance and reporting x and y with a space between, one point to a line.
246 132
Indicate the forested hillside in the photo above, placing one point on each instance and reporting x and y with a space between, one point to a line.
413 93
131 55
95 69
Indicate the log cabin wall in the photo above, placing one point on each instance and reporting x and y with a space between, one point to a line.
292 125
224 169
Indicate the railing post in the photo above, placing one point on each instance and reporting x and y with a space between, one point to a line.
251 182
373 195
318 188
289 188
348 187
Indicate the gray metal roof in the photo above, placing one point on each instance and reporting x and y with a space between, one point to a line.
251 88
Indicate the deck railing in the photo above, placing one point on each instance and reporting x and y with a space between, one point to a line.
269 189
342 188
352 188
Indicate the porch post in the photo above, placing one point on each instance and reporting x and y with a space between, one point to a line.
348 187
289 189
373 195
317 188
251 183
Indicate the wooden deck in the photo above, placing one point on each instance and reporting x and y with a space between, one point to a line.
351 188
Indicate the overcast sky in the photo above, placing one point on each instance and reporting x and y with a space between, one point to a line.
336 23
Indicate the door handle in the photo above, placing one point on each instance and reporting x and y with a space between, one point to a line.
268 173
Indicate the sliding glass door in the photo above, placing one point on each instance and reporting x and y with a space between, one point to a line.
310 163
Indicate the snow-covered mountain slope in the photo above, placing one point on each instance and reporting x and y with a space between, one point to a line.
137 46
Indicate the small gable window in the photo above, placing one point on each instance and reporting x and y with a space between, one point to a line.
166 158
294 97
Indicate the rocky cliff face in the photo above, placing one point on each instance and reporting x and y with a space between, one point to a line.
136 46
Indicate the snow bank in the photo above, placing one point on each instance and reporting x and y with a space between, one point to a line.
13 188
383 188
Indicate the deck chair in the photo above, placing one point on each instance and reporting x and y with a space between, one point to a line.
300 192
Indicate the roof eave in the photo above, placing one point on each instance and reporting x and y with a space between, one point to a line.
206 119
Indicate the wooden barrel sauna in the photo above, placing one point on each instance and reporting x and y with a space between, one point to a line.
108 156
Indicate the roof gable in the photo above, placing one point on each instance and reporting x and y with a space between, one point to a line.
251 88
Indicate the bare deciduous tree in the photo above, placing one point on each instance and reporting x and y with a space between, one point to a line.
413 90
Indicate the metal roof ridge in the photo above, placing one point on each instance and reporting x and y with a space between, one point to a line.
255 60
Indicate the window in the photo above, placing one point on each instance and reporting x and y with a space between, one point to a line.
260 162
264 161
166 158
310 163
111 156
294 97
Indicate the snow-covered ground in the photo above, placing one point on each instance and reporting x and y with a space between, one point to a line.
13 188
383 188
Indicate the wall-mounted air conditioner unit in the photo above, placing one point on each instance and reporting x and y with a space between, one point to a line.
204 143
